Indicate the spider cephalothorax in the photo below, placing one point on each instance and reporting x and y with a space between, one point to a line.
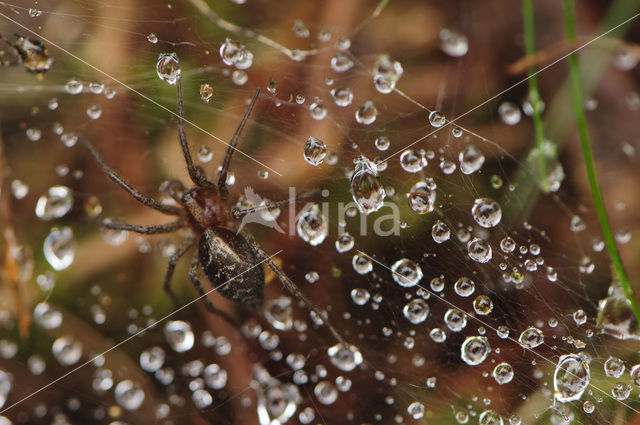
232 260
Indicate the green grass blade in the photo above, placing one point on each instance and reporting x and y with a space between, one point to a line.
587 153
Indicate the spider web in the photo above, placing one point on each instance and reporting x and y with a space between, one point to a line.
547 270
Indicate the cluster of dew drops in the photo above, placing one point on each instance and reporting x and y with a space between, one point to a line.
278 400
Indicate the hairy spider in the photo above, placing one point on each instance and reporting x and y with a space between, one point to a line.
230 259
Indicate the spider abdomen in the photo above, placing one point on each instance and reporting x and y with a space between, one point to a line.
228 260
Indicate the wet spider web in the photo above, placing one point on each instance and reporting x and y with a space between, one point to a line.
466 293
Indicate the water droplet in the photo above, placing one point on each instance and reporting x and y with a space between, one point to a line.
416 311
382 143
278 313
440 232
345 357
312 226
486 212
168 68
483 305
367 113
455 320
366 189
570 378
59 247
453 43
204 154
325 392
412 162
129 395
342 96
479 250
239 77
277 401
46 316
179 335
361 263
416 410
360 296
471 159
615 315
215 376
436 119
474 350
386 73
19 189
531 338
406 273
206 92
73 86
344 243
614 367
341 62
67 350
490 417
94 111
152 359
314 151
421 198
509 113
503 373
318 111
152 38
33 134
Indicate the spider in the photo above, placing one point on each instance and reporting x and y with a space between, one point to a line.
229 258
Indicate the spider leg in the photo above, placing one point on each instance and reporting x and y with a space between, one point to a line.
109 172
196 173
222 178
290 286
186 244
193 275
238 213
147 230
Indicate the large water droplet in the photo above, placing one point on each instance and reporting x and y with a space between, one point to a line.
46 316
531 337
367 113
55 204
416 311
312 226
406 273
277 401
479 250
615 315
471 159
486 212
345 357
412 162
474 350
366 188
570 378
278 313
314 151
342 96
341 62
490 417
168 68
67 350
503 373
179 335
129 395
422 197
152 359
215 376
453 43
60 247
